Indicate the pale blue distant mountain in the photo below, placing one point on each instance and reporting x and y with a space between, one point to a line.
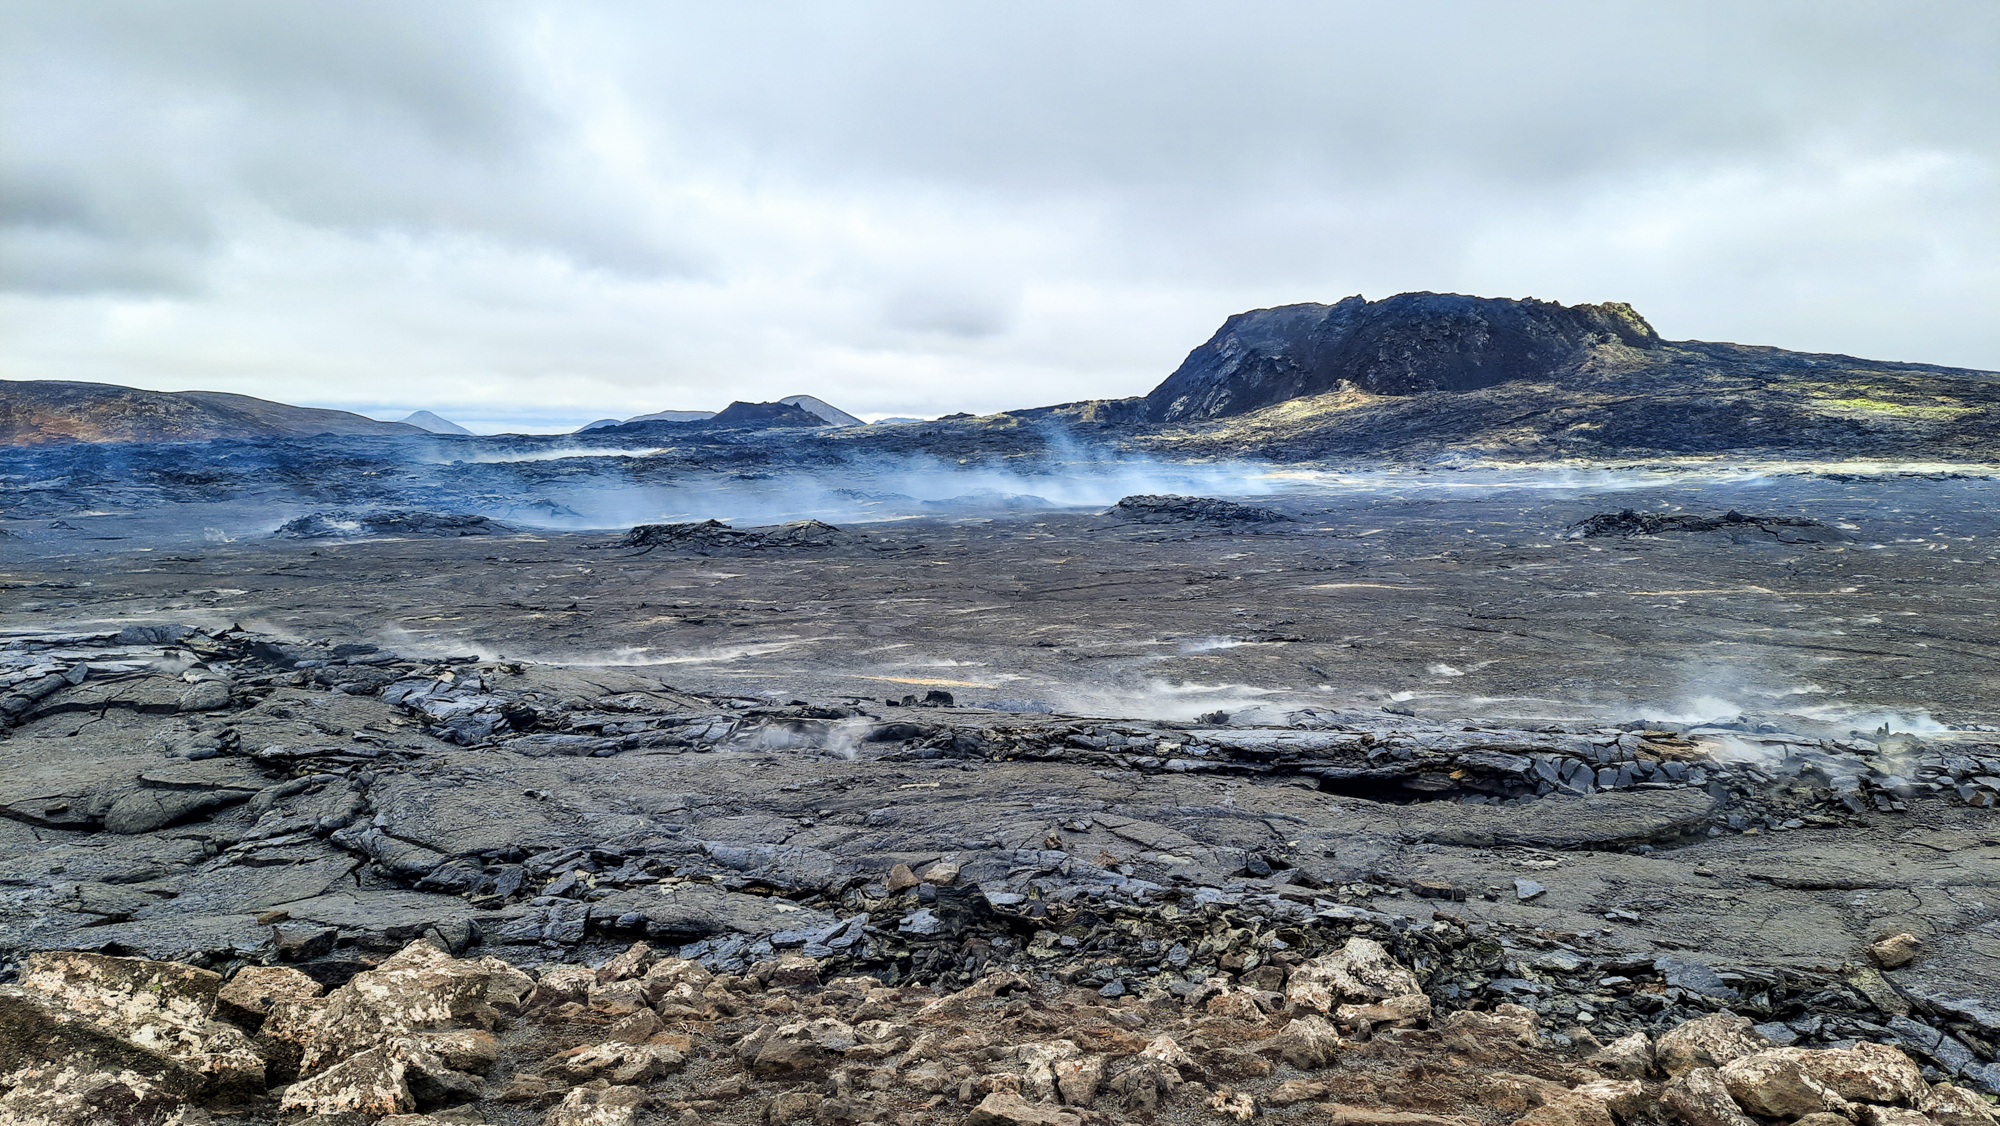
824 409
425 420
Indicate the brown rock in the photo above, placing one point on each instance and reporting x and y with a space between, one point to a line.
1234 1065
633 962
1307 1043
1954 1106
1628 1057
1710 1041
1775 1085
247 996
621 1063
1697 1097
473 1050
373 1082
64 1069
1294 1091
901 879
1236 1005
943 874
1872 1073
1359 972
164 1006
1895 950
597 1106
1077 1080
1003 1109
1145 1084
418 989
792 1106
1239 1106
1568 1109
1408 1011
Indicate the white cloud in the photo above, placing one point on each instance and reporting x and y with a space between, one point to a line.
514 212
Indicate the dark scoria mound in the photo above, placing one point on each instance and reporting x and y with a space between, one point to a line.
1786 529
340 525
55 412
1168 509
710 536
1408 344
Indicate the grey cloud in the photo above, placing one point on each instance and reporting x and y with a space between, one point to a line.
614 207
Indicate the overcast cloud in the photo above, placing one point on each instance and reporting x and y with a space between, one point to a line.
538 214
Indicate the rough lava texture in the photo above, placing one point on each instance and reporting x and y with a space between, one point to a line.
426 1039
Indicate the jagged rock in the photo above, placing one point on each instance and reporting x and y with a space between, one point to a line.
1078 1080
1144 1084
1294 1091
374 1082
1866 1072
1307 1043
1568 1109
472 1050
248 996
60 1068
1894 951
792 1106
1776 1084
1629 1057
1507 1022
796 1048
418 989
1709 1041
1038 1075
622 1063
162 1006
1002 1108
597 1106
1240 1106
901 879
1407 1011
1954 1106
1697 1097
634 962
1359 972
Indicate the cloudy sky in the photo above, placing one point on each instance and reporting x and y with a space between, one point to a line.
532 215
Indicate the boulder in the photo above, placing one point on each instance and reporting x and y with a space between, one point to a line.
1004 1109
1873 1073
1628 1057
60 1068
1709 1041
248 995
373 1082
1077 1080
1775 1085
621 1063
1407 1011
1697 1097
597 1106
1511 1024
1955 1106
1359 972
418 989
1307 1043
163 1006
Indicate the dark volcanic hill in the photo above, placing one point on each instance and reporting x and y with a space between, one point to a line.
54 412
1403 345
1421 374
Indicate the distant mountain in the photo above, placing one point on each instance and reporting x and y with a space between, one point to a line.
1422 374
826 411
1408 344
673 416
600 424
766 414
425 420
55 412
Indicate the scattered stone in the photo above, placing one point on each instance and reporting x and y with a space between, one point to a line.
1526 889
1895 951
